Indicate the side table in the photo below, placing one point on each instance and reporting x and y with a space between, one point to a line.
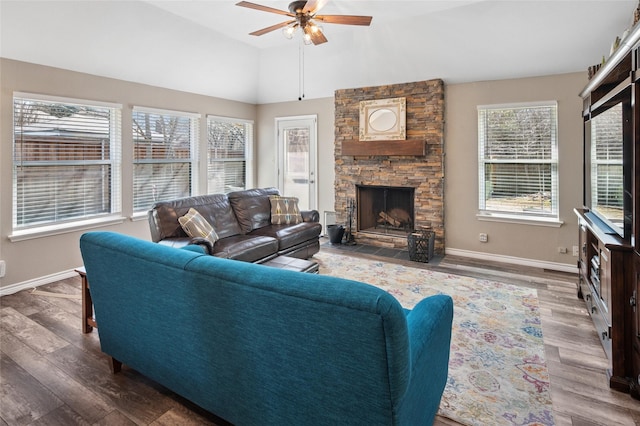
88 321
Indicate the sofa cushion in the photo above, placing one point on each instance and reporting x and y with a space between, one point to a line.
197 226
291 235
215 208
247 248
284 210
252 207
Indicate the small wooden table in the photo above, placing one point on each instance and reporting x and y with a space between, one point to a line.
88 321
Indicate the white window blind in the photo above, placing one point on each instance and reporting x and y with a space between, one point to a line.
228 154
518 160
164 150
66 161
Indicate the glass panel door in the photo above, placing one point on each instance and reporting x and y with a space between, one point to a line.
297 159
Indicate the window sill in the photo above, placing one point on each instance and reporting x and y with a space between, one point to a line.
505 218
45 231
138 217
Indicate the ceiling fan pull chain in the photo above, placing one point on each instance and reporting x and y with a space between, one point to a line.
301 70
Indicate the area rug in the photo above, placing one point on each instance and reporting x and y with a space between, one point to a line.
497 372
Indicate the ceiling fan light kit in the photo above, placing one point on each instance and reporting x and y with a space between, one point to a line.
289 31
304 13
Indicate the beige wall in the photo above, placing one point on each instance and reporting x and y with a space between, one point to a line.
267 147
461 163
517 243
38 259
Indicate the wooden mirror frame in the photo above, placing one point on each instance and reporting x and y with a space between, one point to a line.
383 119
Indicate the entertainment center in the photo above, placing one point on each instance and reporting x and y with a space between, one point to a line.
609 221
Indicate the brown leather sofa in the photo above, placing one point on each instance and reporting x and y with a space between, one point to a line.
242 220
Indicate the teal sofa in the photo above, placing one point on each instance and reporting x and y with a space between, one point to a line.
256 345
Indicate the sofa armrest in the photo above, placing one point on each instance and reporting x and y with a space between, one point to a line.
429 325
310 215
154 226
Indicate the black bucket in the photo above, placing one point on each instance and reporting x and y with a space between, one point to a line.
336 232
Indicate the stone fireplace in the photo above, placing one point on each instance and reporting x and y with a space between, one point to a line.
413 169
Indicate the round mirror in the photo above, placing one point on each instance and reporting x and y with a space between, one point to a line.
383 120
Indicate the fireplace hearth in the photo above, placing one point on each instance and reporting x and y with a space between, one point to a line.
385 209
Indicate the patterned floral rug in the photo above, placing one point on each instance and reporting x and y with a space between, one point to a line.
497 372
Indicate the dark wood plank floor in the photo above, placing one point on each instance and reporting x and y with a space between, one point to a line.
51 373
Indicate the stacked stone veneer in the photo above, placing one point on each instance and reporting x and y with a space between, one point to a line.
425 121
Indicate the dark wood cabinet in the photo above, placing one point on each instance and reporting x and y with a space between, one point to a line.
609 220
607 266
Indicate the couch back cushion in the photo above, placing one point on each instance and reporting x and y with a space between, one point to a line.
252 207
215 209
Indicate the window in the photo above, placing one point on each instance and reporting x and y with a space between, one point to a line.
164 145
66 161
228 154
518 160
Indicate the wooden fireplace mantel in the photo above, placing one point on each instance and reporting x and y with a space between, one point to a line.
392 147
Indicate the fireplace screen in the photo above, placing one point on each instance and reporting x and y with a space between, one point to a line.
385 209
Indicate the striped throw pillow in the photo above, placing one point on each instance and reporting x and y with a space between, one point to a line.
195 225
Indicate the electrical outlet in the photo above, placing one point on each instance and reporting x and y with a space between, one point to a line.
3 268
562 250
483 238
575 251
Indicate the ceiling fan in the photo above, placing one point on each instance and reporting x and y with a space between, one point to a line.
304 17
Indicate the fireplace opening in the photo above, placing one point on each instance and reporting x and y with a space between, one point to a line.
384 209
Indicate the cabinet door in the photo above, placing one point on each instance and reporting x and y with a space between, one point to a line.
584 260
635 330
605 280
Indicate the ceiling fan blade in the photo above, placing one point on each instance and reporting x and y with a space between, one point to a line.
263 8
344 19
316 36
313 6
271 28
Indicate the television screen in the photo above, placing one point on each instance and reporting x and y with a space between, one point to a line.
607 180
608 171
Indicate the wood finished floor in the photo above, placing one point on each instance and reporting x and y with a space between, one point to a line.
52 374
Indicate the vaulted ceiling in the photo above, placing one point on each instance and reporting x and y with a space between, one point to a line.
204 46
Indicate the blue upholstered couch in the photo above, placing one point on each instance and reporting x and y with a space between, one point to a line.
262 346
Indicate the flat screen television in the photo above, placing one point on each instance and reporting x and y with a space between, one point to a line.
608 164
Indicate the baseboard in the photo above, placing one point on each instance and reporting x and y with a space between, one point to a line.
36 282
554 266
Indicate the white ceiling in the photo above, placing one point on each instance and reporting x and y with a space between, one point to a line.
204 47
